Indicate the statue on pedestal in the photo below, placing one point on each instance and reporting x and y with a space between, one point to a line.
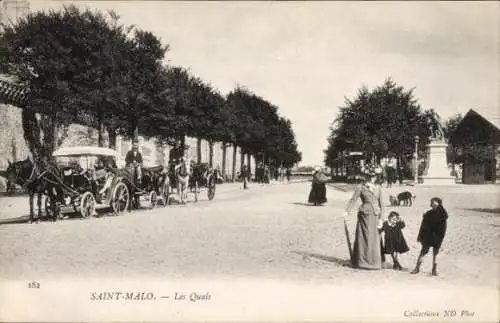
437 170
437 133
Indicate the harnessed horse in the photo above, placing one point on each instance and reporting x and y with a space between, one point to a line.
34 179
182 172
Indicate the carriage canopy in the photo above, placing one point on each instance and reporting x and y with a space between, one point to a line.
84 150
85 156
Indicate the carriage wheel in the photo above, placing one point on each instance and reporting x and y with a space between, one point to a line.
120 198
87 205
165 192
153 199
211 188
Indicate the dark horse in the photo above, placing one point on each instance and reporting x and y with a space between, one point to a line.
36 180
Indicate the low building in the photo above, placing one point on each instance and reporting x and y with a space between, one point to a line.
475 142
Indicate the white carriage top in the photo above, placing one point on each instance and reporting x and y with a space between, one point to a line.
84 150
85 156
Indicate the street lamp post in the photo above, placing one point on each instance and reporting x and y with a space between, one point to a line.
416 160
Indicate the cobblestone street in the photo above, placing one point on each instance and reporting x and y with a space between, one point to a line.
264 233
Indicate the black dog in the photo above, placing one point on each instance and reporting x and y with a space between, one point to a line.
406 197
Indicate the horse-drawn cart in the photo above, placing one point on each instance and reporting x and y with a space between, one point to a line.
198 176
203 177
153 186
90 177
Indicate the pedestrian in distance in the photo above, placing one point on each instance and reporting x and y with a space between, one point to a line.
245 174
317 195
431 233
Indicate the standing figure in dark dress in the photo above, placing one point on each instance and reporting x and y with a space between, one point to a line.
394 240
367 253
432 232
317 195
244 175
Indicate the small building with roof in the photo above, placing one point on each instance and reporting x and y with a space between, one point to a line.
475 142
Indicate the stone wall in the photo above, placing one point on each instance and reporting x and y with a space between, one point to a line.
12 144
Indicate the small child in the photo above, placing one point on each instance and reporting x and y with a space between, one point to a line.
395 242
431 233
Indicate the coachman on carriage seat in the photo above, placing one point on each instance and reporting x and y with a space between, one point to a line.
134 159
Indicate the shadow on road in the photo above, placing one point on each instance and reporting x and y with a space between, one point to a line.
338 261
66 217
16 220
306 204
494 210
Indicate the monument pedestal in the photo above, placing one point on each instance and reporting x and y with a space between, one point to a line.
438 172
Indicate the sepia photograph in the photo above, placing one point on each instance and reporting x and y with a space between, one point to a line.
264 161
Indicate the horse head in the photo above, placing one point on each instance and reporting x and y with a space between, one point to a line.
19 172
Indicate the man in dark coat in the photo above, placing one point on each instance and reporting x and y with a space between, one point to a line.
134 159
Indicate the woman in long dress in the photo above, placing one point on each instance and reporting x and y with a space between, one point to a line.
366 252
317 196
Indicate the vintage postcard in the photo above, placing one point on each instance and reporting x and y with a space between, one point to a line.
249 161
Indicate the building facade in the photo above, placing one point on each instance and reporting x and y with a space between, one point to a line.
475 142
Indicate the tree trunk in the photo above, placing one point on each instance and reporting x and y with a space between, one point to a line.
31 132
112 138
14 149
210 154
399 173
249 161
224 152
48 145
198 150
234 162
242 159
183 145
136 132
100 133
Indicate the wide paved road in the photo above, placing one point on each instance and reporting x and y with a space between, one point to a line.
266 233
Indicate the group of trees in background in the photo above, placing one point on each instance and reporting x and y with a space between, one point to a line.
384 121
85 67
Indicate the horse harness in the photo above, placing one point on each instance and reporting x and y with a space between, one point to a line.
25 182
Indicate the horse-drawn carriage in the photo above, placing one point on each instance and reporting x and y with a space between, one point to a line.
90 176
86 179
191 179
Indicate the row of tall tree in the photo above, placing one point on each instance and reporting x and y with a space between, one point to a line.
381 122
85 67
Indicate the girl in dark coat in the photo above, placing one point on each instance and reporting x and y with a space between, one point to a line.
395 242
432 232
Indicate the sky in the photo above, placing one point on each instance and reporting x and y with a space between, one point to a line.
308 57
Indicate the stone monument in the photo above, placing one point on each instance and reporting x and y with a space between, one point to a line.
437 171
